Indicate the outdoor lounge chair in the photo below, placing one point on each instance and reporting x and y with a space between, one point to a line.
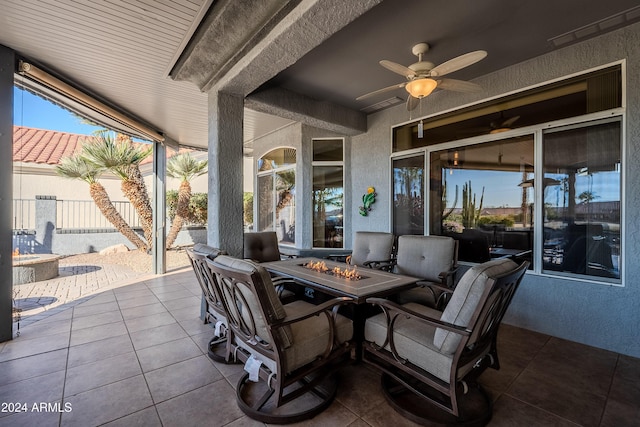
430 359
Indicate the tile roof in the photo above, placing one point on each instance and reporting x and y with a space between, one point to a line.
31 145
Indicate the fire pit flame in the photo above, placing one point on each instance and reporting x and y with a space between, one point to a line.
321 266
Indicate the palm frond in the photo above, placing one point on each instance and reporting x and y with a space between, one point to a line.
185 167
77 167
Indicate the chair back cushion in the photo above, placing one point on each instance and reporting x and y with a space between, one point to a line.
425 256
209 251
261 246
259 308
371 246
465 299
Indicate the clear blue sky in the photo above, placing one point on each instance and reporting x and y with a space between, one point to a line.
33 111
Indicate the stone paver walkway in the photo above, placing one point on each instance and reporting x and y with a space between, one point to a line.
75 283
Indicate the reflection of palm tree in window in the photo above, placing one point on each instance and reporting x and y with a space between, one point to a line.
586 197
285 181
410 180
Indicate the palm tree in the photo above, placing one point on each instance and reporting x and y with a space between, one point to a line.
184 167
77 167
119 155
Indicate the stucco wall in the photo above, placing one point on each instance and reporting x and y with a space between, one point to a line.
595 314
27 185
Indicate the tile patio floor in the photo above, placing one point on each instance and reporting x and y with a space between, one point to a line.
135 355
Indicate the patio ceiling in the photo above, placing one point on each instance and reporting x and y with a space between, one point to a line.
124 51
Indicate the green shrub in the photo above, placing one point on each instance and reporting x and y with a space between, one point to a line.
197 207
506 220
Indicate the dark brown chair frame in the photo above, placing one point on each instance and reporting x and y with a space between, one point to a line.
424 398
214 308
277 389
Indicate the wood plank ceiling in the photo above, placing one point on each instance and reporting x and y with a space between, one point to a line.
123 51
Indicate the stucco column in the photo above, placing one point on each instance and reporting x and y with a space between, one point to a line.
7 67
224 223
159 253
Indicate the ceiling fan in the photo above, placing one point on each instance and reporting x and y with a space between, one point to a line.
423 77
502 125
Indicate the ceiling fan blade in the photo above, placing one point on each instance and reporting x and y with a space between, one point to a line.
458 85
385 89
458 63
397 68
507 123
412 103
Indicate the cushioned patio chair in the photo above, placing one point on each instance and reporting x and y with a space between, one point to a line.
263 247
431 360
371 249
291 352
432 258
214 309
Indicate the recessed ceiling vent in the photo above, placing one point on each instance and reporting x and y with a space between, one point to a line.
599 27
382 105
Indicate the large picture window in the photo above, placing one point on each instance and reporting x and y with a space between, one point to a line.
277 193
328 193
482 195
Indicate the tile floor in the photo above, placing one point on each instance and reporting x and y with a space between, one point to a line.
135 356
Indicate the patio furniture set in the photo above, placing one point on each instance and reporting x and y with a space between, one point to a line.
394 304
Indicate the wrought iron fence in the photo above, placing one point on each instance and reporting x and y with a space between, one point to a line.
85 214
24 214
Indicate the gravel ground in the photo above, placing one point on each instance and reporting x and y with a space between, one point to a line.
136 260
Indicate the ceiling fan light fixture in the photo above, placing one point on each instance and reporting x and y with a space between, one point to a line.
499 130
420 88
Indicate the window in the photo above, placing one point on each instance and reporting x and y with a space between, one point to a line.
328 193
482 195
408 191
582 193
550 194
276 193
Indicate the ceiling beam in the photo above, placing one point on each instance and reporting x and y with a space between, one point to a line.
320 114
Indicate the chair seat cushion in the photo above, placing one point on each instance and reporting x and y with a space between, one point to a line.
311 336
413 340
419 294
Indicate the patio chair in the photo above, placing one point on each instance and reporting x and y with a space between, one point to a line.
370 249
291 352
214 309
263 247
431 360
434 259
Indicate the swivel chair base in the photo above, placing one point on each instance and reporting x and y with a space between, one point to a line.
258 401
217 349
475 407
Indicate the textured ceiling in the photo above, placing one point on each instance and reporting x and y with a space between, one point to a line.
123 51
